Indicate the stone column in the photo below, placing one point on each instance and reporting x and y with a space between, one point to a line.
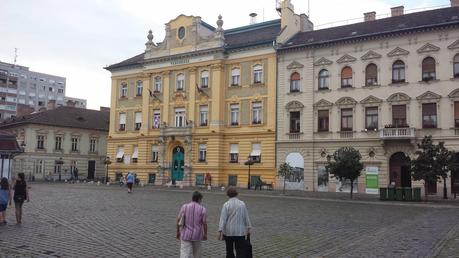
146 104
166 97
188 168
217 109
191 103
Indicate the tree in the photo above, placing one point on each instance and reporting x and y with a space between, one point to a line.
432 162
285 170
346 165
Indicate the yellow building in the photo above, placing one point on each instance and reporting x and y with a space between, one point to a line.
201 101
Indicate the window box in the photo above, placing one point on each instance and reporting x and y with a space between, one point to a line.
201 160
135 160
256 122
122 128
234 124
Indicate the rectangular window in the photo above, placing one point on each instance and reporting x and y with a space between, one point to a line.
234 153
429 115
156 118
122 119
40 142
74 143
205 79
92 145
60 90
203 113
235 77
180 117
202 152
255 155
257 112
257 74
322 123
371 118
346 119
135 154
399 116
58 143
138 120
157 84
154 153
295 122
234 114
456 114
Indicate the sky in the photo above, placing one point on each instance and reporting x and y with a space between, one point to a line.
77 38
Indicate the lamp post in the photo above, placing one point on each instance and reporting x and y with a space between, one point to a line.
107 162
249 163
59 162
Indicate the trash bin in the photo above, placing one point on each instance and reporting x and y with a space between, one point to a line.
407 194
391 193
417 194
399 194
383 193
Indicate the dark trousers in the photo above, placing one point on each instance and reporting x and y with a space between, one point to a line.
235 242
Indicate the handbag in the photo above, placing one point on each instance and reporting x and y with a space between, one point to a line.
248 247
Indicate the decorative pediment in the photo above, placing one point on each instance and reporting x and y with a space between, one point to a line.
371 100
428 48
323 61
398 97
398 52
454 94
455 45
294 65
429 96
345 101
323 103
294 105
371 55
346 59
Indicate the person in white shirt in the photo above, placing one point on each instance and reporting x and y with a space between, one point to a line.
234 224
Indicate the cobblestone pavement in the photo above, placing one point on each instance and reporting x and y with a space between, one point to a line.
100 221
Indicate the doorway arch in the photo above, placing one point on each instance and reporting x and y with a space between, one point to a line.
178 163
399 170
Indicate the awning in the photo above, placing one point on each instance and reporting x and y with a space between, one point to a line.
234 149
120 153
256 149
122 118
154 148
135 154
138 117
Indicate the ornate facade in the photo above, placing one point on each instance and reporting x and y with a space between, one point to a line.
200 102
379 86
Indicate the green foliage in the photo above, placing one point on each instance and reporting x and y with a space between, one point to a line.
285 170
345 164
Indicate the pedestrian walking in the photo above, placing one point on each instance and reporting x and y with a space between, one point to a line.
130 181
5 198
234 225
192 227
21 194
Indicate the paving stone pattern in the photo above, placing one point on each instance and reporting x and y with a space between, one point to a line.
98 221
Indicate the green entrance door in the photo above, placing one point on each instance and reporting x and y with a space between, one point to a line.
178 162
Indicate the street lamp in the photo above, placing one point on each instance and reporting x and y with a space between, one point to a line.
107 162
249 163
59 162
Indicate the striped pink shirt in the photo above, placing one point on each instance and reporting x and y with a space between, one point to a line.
195 217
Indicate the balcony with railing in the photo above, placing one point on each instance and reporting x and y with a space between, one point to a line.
176 131
397 133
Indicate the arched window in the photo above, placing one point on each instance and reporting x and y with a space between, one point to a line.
323 79
371 75
398 72
346 77
123 92
205 79
295 82
180 84
257 74
157 84
139 88
456 66
235 77
428 69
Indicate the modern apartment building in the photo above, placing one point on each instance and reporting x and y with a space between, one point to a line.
379 86
74 102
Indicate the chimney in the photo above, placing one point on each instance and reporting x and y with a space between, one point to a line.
51 104
454 3
253 18
397 11
371 16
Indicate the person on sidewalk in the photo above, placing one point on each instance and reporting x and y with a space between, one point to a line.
21 194
5 198
192 227
234 224
130 181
